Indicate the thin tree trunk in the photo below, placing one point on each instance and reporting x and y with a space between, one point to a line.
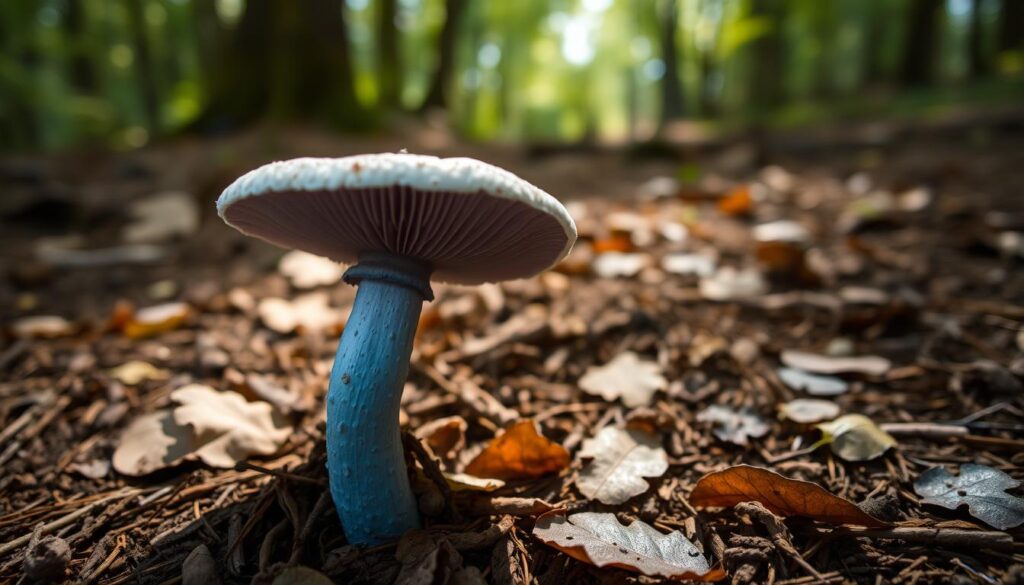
143 65
83 75
671 85
1011 26
920 45
769 74
441 82
389 63
978 61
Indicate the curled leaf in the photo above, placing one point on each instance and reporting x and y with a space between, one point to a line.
598 539
520 452
780 494
463 482
855 437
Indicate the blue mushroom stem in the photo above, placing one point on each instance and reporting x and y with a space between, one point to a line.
365 460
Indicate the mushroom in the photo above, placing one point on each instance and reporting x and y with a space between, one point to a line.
400 220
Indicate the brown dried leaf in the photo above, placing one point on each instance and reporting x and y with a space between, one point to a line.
520 452
445 436
780 494
598 539
151 321
136 372
217 428
621 459
626 377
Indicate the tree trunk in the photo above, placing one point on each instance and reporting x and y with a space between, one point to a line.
83 75
143 65
441 82
389 64
671 85
1011 26
289 60
769 57
920 44
978 60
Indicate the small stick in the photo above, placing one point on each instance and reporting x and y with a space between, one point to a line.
946 537
246 466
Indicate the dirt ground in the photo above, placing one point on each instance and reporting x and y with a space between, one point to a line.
913 251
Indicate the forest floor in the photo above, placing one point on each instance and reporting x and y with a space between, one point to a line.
901 278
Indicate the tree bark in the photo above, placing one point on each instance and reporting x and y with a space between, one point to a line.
671 85
287 60
919 48
441 81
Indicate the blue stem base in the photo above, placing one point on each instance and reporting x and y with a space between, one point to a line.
365 460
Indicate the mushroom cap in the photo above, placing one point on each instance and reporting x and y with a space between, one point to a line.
473 222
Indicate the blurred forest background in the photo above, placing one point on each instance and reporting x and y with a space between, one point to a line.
128 72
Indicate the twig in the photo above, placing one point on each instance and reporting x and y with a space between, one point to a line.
432 470
246 466
944 537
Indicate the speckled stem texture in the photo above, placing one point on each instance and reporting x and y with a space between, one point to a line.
365 461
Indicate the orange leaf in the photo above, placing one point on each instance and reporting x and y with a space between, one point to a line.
520 452
781 495
613 243
737 202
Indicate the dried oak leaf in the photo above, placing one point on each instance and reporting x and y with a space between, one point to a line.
780 494
626 377
217 428
598 539
855 437
981 488
868 365
520 452
734 426
621 459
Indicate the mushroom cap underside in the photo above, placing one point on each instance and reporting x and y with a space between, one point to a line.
471 221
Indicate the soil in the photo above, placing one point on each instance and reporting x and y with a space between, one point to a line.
930 222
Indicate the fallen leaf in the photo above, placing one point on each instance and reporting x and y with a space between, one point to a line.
150 321
807 411
600 540
463 482
520 452
619 265
869 365
136 372
445 436
626 377
981 488
728 284
780 494
162 217
734 426
217 428
306 270
426 559
813 384
309 312
42 326
620 459
685 264
739 201
257 387
854 437
781 231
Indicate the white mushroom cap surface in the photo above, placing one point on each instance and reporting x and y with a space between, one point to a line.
473 222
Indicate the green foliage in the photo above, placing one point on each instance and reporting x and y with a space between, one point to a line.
82 71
